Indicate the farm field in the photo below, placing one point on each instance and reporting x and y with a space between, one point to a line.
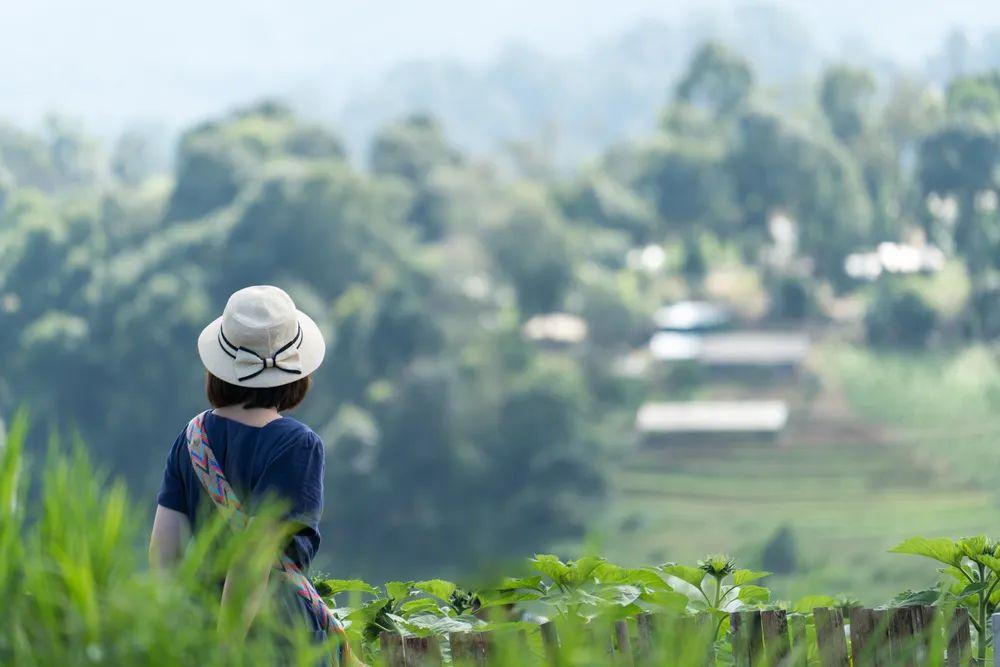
848 494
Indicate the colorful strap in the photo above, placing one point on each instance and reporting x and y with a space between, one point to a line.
207 467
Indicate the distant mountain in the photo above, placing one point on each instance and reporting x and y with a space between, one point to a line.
574 107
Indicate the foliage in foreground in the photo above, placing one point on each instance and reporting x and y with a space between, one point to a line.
77 590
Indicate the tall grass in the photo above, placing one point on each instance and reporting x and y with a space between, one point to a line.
75 589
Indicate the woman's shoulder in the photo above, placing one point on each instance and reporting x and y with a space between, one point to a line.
292 431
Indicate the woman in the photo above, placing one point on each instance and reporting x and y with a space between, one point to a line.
259 356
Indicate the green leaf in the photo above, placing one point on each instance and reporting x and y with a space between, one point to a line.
609 573
692 575
666 600
940 549
619 594
753 594
917 598
419 606
741 577
430 624
512 583
991 562
349 585
974 588
439 588
581 570
550 566
977 545
805 605
398 590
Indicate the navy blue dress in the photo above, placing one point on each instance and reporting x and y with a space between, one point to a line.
283 459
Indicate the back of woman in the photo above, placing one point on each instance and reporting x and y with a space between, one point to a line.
259 356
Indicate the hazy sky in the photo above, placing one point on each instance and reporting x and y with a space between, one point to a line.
109 60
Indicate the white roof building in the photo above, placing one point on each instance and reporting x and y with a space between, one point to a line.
736 348
712 418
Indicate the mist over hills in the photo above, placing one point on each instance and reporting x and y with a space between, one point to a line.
553 76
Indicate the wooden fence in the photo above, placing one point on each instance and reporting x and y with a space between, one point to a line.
903 637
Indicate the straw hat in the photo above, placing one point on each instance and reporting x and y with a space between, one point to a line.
261 340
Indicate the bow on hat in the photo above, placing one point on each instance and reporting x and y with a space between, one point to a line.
249 364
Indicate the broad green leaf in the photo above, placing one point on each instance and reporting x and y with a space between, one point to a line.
917 598
753 594
741 577
419 606
974 588
511 583
439 588
991 562
666 600
349 585
430 624
619 594
940 549
692 575
609 573
977 545
398 590
581 570
550 566
805 605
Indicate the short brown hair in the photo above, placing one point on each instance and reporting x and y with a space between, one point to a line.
285 397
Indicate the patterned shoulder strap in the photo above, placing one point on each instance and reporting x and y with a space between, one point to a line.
208 470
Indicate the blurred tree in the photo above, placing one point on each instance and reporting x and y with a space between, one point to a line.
531 249
717 81
777 167
846 97
413 150
898 317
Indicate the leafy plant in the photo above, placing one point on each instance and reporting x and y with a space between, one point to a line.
971 577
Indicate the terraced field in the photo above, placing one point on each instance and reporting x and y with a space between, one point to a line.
849 487
846 505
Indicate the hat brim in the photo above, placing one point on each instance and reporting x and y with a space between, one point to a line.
220 364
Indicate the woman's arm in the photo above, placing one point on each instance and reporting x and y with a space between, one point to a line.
171 531
243 592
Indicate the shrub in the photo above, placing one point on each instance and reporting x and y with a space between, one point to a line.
899 317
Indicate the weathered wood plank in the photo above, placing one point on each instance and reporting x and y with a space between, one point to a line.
421 651
799 640
901 640
622 643
550 643
469 648
862 627
392 649
746 638
774 629
830 637
647 641
959 639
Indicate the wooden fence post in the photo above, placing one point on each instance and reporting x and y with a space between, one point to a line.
421 651
747 638
469 648
800 641
774 627
392 649
622 643
550 642
959 639
830 637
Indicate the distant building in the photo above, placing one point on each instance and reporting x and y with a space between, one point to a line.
735 350
555 329
894 258
711 421
692 316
